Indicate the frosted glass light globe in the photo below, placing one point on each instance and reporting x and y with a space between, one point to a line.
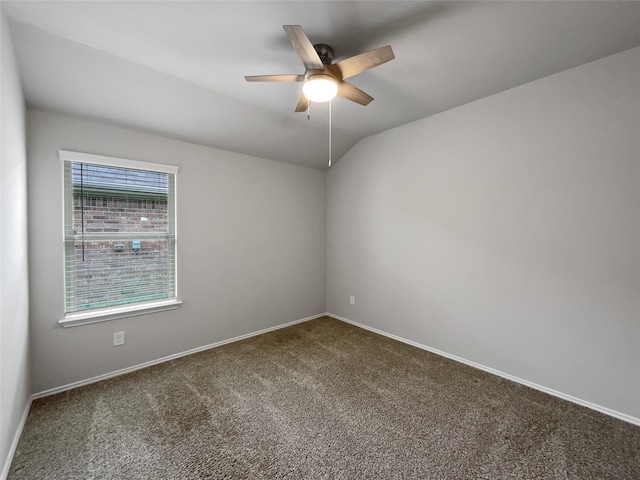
320 88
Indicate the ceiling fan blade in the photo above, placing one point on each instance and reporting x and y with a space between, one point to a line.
359 63
303 104
274 78
303 47
353 93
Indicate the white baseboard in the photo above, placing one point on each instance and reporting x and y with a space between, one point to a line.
550 391
105 376
16 439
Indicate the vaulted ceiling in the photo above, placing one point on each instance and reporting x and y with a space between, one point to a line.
176 68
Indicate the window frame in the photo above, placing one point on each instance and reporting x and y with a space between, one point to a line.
103 314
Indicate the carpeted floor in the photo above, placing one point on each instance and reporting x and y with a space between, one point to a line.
321 399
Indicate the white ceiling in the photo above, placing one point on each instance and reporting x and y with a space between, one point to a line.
176 68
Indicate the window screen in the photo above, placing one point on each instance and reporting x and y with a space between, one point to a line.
119 234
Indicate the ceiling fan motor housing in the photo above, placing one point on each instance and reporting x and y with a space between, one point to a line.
325 52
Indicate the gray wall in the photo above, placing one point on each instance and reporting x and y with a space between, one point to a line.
505 232
14 294
251 249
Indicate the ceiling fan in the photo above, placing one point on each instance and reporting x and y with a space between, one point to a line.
323 79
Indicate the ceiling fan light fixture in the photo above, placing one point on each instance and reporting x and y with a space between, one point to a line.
320 88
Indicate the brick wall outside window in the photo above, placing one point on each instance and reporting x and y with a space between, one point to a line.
97 278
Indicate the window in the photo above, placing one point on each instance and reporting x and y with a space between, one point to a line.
119 237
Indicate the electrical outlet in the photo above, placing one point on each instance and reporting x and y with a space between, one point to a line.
118 339
352 300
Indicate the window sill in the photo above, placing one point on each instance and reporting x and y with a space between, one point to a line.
114 313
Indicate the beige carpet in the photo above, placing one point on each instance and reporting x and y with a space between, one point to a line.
321 399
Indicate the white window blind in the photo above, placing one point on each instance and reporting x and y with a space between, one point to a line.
119 232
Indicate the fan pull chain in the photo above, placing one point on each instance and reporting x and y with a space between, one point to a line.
309 110
330 133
